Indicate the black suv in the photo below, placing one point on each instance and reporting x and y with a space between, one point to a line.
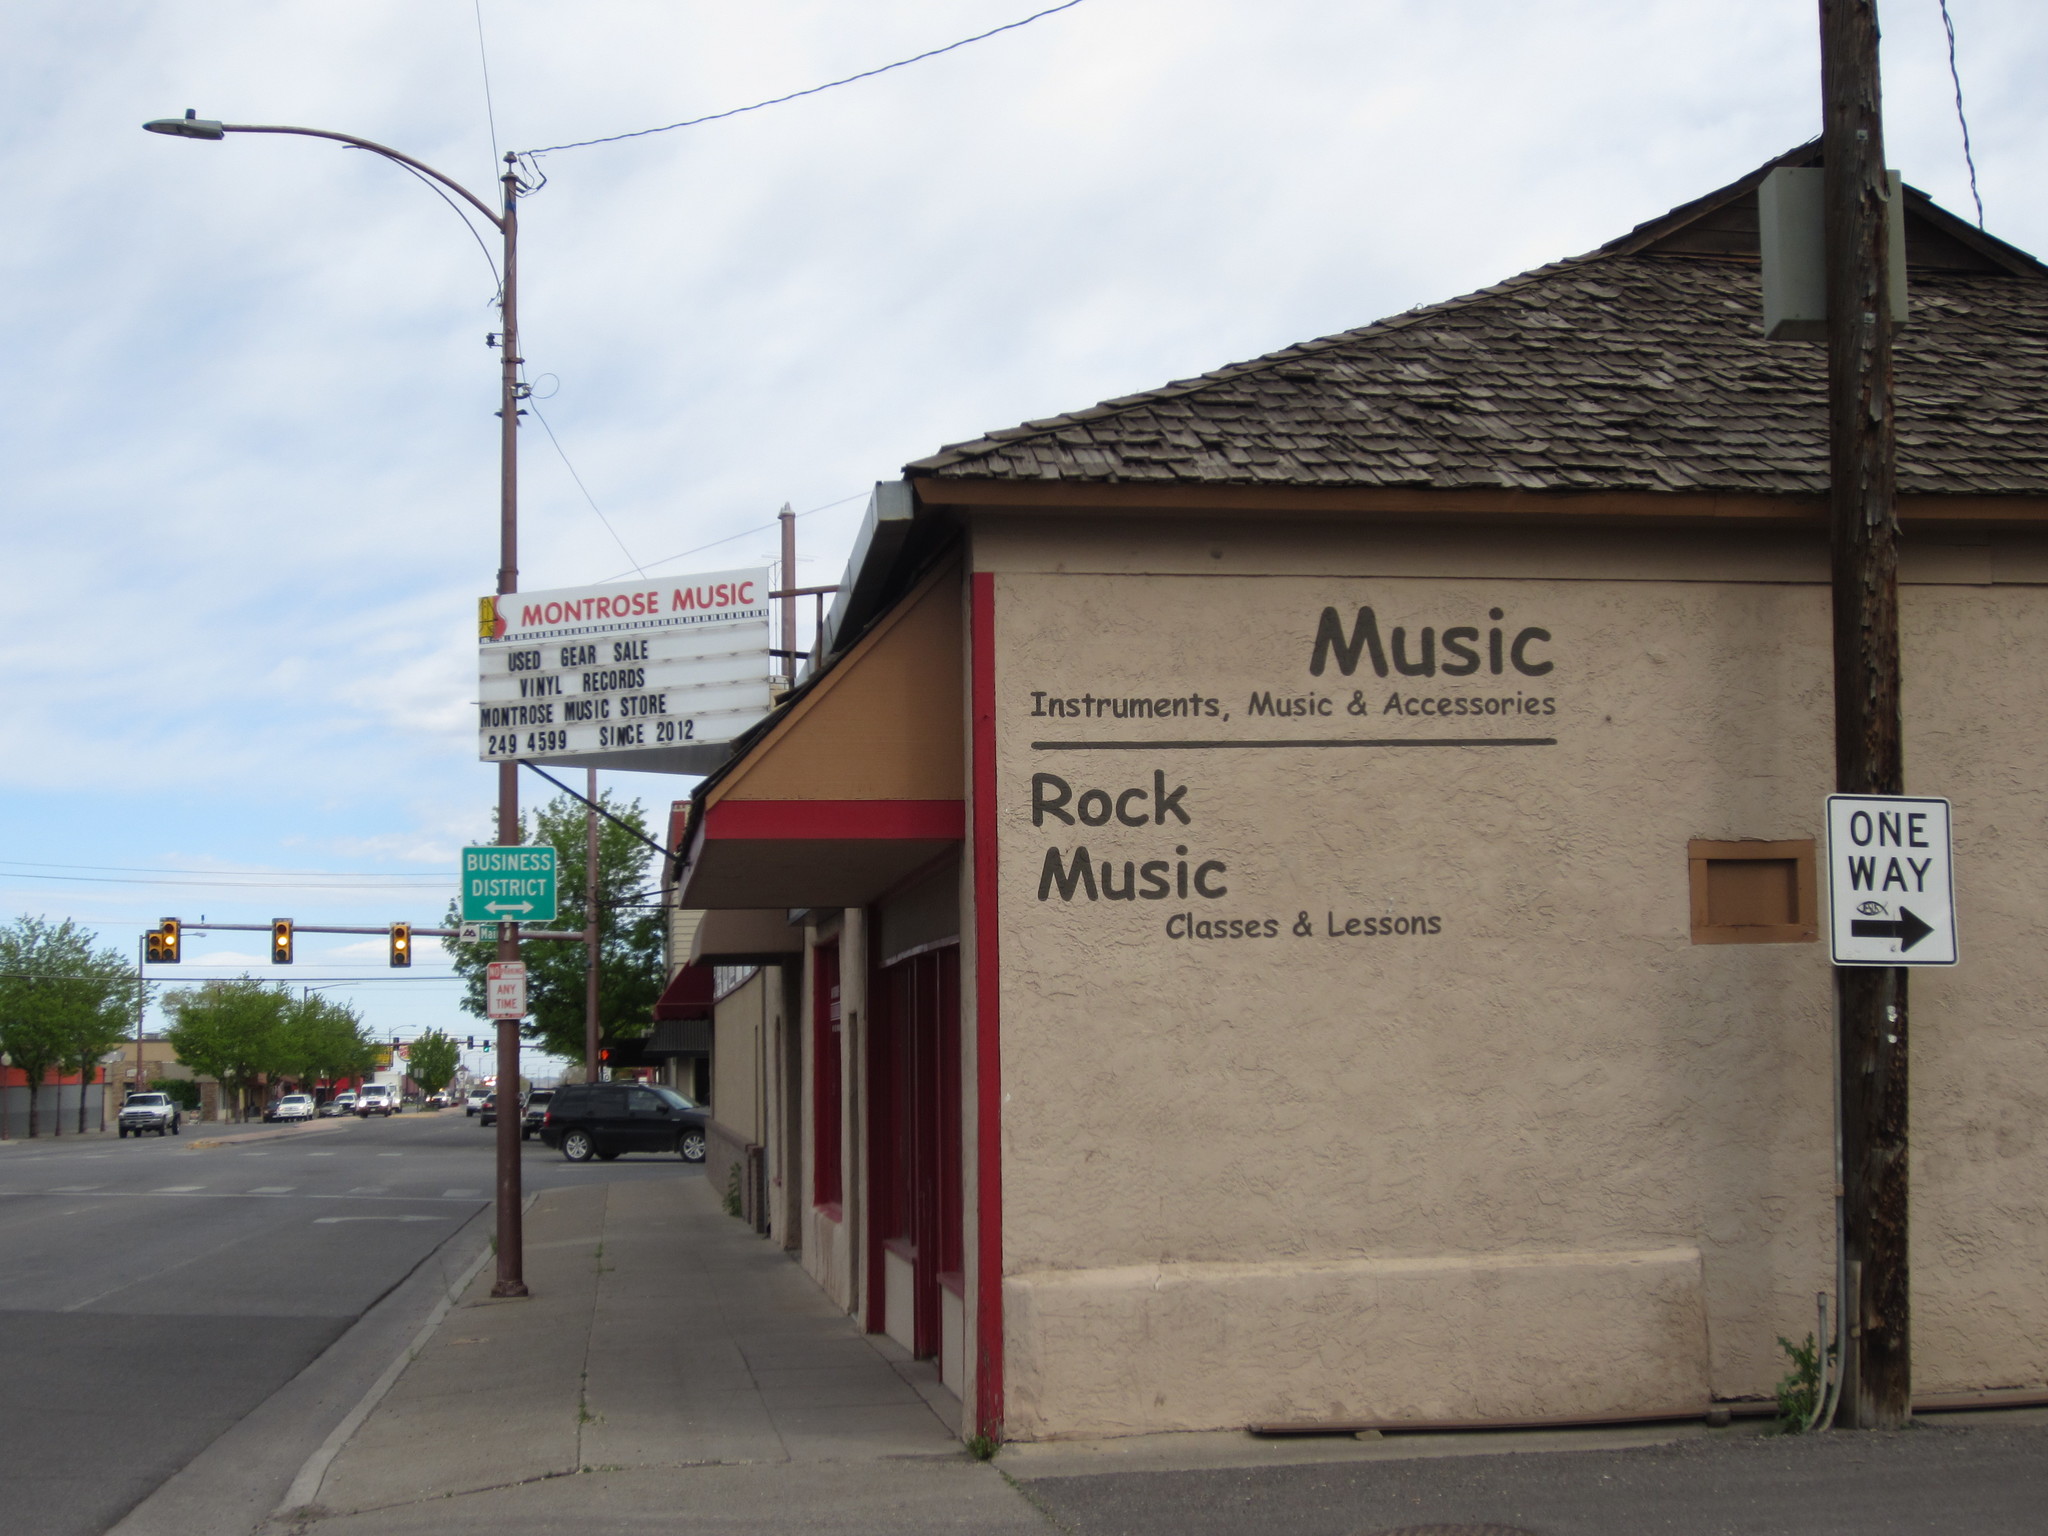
589 1120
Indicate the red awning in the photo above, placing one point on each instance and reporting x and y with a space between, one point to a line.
687 995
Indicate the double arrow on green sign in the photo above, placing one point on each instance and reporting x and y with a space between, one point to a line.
509 881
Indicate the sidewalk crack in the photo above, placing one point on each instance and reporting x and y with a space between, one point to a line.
584 1417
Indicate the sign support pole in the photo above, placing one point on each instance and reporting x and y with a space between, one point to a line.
590 936
1877 1383
511 1277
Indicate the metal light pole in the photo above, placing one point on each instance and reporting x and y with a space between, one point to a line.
590 934
510 1278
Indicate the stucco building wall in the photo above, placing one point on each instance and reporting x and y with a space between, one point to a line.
1546 1155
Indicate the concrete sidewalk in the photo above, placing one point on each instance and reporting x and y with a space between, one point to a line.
674 1373
670 1371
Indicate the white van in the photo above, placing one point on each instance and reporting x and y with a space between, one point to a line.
376 1099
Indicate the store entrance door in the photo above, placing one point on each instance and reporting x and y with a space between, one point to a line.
914 1250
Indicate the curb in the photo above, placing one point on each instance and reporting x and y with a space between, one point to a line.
305 1488
338 1123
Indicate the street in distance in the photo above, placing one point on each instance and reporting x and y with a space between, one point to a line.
654 675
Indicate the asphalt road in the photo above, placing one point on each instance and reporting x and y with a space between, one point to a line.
1950 1475
153 1293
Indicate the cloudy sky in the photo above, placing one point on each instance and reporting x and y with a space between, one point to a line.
248 455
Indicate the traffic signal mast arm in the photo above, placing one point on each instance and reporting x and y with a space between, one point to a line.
419 933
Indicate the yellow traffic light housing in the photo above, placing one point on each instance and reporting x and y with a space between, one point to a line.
160 946
281 941
401 945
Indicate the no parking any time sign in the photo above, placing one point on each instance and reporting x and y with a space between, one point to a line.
1891 887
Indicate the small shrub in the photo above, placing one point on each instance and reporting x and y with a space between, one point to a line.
181 1091
1798 1391
734 1205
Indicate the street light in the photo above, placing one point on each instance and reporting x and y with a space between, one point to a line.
510 1280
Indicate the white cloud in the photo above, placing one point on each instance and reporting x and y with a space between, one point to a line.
250 455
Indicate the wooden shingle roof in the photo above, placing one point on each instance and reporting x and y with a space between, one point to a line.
1638 367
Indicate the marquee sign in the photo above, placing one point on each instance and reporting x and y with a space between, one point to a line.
653 676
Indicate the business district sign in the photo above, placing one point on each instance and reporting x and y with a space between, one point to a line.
652 676
509 882
1891 886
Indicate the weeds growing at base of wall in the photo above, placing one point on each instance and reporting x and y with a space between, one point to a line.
733 1204
1798 1391
982 1448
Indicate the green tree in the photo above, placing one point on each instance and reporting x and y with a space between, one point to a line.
630 964
320 1038
231 1030
433 1060
64 1002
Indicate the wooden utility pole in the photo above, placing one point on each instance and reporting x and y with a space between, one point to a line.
1877 1383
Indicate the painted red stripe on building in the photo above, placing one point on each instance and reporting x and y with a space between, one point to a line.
835 820
988 1226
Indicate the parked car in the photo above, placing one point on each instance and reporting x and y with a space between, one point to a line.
150 1112
376 1099
475 1101
292 1107
602 1120
343 1103
536 1108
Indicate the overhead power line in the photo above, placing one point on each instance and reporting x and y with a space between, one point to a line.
1955 76
249 874
776 101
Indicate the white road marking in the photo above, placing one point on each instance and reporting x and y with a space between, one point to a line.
319 1154
325 1221
274 1189
456 1194
391 1154
370 1189
76 1189
178 1189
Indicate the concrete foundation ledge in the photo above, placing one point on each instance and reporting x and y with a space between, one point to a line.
1150 1348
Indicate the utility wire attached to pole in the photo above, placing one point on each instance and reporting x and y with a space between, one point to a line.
1956 78
776 101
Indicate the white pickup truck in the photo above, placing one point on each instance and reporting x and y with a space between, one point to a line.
157 1112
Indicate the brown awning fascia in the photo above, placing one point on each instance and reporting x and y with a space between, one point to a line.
1060 496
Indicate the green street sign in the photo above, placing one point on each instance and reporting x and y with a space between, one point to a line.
509 882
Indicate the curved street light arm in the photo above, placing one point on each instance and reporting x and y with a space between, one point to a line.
497 222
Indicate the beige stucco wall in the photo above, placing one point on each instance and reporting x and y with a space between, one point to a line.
831 1245
1552 1158
737 1043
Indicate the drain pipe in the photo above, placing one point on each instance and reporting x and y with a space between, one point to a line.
1832 1381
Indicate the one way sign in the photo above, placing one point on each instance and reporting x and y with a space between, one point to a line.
1891 891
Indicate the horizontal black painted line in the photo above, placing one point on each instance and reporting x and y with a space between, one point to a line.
1333 741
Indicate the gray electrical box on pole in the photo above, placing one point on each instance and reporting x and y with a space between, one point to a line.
1792 234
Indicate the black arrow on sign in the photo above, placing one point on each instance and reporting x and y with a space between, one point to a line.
1908 930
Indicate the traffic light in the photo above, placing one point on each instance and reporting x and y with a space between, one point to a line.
161 944
401 945
280 941
470 1044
